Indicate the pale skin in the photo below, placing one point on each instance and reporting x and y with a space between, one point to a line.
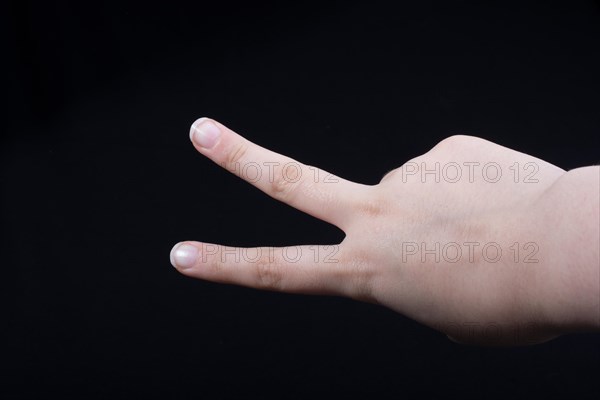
483 243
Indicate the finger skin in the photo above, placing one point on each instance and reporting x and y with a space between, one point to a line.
309 189
308 269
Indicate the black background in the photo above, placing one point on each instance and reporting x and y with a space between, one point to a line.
99 180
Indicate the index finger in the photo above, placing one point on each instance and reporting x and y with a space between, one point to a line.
309 189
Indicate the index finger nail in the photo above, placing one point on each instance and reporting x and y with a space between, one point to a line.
184 255
205 133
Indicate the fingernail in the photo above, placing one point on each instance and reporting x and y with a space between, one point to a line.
205 133
184 255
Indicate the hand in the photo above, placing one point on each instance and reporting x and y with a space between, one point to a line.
470 238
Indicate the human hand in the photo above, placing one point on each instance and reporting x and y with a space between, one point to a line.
466 238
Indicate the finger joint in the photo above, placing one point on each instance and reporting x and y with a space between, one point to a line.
286 182
236 155
269 273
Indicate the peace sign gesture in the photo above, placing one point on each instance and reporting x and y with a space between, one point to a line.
457 238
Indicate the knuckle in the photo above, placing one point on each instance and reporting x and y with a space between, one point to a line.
269 273
371 208
361 281
286 183
454 142
373 203
236 154
359 274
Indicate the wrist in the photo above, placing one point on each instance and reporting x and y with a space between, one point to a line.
568 219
